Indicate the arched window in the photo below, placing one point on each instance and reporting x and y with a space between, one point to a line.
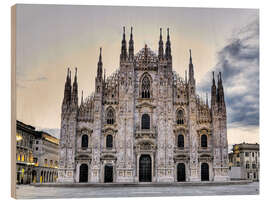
204 141
85 141
110 116
180 141
145 87
180 117
109 141
145 121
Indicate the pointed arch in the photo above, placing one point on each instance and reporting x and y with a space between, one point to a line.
110 116
180 118
146 86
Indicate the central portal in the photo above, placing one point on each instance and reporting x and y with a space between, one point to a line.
83 173
108 174
145 169
181 172
204 172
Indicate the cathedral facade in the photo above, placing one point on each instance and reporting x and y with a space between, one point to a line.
144 123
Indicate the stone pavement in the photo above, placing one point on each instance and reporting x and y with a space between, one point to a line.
32 192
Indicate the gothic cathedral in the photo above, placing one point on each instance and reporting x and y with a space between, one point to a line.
144 123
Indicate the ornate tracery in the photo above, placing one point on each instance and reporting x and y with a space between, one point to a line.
110 117
146 85
180 117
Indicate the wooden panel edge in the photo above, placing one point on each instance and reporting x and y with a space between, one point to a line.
13 101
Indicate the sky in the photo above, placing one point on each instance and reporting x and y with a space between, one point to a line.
51 38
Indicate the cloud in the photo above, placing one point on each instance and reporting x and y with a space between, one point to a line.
238 62
22 83
41 78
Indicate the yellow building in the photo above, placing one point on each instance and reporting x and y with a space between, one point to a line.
36 155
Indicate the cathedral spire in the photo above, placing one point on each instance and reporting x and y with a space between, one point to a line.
82 99
191 70
190 57
75 89
168 46
67 91
131 46
123 55
75 77
160 47
99 69
67 75
220 90
214 82
213 92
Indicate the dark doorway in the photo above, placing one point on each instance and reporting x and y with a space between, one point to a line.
34 176
108 174
204 172
83 173
145 169
181 172
18 177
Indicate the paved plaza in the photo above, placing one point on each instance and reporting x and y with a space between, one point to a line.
32 192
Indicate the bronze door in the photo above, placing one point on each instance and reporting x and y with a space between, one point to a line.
205 172
145 169
83 173
181 172
108 174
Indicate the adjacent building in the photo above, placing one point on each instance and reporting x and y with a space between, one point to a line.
245 162
144 123
25 136
36 155
45 151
